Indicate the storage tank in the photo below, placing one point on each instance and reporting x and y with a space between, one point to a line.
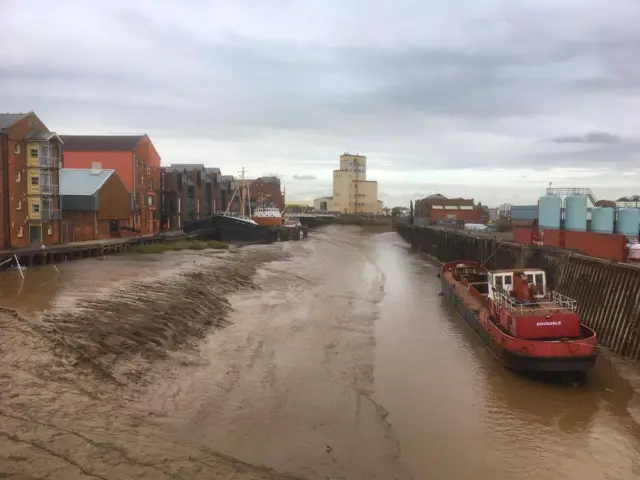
628 221
602 219
575 213
549 211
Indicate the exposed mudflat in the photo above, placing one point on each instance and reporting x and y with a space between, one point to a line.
67 376
330 358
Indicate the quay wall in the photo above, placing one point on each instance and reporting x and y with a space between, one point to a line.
358 220
608 293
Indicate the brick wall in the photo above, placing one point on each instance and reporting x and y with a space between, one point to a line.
269 190
4 158
84 224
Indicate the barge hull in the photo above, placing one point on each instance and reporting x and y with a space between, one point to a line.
507 358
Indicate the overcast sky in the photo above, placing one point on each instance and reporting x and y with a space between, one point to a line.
485 98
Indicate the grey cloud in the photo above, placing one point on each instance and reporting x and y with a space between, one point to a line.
591 137
245 84
304 177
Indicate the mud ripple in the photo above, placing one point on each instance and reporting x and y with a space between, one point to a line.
144 321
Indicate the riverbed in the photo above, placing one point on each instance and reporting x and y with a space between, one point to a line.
330 358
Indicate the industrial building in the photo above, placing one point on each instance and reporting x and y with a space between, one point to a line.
438 209
352 192
565 219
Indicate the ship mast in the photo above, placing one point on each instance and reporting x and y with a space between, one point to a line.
242 193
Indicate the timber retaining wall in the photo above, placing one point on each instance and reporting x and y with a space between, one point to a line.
608 293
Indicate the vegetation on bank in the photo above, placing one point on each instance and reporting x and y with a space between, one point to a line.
180 245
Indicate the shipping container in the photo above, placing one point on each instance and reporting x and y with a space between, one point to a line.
523 235
553 238
600 245
524 212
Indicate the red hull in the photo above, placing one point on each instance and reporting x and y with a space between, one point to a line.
572 354
268 221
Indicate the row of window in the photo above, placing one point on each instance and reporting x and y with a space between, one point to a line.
20 231
35 207
43 178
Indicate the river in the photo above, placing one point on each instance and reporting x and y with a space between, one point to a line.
335 358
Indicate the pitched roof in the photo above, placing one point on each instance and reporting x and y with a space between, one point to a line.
82 181
270 179
42 136
101 143
188 166
8 119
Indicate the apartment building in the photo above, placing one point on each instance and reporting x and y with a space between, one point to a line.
352 192
29 193
193 191
135 160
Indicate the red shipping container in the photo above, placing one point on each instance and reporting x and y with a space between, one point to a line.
600 245
553 237
522 235
559 326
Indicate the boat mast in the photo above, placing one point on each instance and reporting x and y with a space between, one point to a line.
241 188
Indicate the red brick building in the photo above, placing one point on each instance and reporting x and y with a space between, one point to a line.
193 191
440 209
135 160
29 179
95 203
266 191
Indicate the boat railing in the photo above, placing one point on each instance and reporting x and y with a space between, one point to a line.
551 301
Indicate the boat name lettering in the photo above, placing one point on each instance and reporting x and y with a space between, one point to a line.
548 324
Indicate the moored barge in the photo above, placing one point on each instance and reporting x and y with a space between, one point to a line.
526 326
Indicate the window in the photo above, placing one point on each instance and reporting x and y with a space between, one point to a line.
35 207
34 152
50 230
20 232
150 184
18 177
539 279
148 169
18 204
16 149
507 279
149 200
529 279
35 181
498 282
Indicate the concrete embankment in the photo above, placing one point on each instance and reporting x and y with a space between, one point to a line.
608 293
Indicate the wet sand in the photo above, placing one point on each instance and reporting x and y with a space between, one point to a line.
329 358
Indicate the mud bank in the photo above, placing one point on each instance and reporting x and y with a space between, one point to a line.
68 376
608 294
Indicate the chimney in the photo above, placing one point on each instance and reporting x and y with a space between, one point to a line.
96 168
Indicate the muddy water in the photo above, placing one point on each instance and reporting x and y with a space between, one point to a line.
334 358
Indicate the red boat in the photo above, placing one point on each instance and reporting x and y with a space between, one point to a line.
525 325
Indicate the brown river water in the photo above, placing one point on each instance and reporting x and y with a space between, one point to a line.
330 358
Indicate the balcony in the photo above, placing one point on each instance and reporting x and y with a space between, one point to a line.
46 189
47 160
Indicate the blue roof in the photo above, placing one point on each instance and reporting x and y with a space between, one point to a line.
82 181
